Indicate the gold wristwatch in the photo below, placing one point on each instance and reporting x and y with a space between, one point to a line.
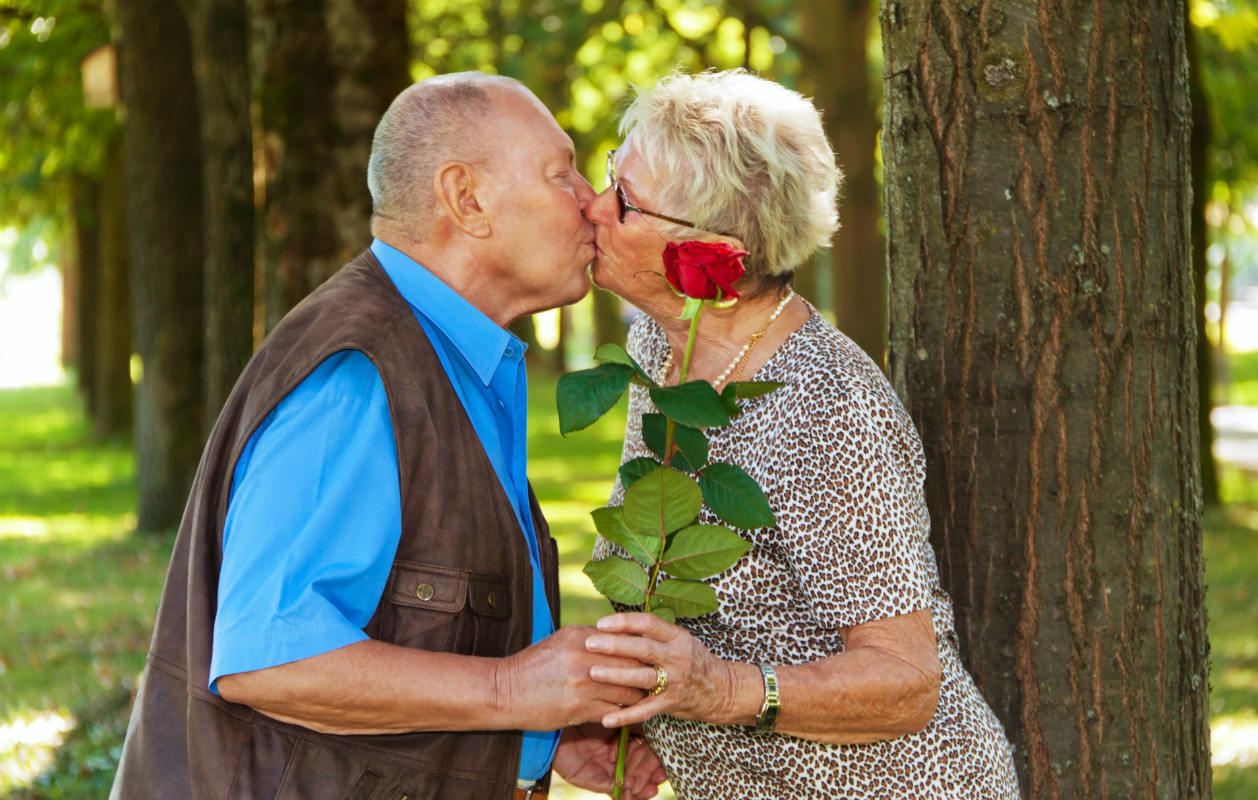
767 719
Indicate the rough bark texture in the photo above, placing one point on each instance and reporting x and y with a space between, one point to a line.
164 213
329 69
114 397
834 36
1042 332
220 37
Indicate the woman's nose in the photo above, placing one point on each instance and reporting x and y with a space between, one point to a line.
601 209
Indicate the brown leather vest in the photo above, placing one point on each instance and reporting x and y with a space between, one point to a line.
460 537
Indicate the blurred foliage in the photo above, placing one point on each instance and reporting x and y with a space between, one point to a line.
49 137
581 57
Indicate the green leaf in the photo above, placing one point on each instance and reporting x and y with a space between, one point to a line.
749 389
687 598
635 468
615 354
702 551
694 403
610 522
662 501
585 396
618 579
729 399
665 613
735 497
692 444
654 436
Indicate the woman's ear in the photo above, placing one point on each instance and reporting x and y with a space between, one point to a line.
456 184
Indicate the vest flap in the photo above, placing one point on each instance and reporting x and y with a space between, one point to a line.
427 586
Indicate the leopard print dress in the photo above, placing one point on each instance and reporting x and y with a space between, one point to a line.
843 468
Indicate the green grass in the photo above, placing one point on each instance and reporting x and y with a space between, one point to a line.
80 590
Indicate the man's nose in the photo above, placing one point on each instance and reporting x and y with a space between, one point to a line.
585 193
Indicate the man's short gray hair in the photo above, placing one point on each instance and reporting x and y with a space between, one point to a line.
738 154
439 119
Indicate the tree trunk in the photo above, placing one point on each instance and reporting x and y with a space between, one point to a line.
220 38
1042 331
329 70
86 286
1200 152
164 232
115 399
834 38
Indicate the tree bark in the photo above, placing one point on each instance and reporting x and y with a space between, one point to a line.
834 36
114 405
1037 188
329 70
220 38
1200 151
86 286
164 212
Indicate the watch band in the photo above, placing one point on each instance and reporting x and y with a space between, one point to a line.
767 719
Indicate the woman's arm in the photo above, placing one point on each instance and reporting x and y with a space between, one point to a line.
884 685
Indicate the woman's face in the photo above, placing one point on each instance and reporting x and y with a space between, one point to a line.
629 258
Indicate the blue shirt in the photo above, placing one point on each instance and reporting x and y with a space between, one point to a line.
291 585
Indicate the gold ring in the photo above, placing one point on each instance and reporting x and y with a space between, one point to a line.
661 680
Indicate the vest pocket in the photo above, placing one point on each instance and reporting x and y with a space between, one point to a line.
431 607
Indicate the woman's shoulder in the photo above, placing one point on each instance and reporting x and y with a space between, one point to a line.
825 361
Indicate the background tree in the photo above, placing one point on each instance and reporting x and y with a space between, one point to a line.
1042 330
220 45
328 70
164 206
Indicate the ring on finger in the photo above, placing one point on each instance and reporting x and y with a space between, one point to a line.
661 680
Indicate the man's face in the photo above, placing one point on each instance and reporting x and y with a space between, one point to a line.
538 198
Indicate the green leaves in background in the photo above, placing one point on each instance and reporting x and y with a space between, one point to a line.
686 598
618 579
585 396
701 551
694 403
735 497
642 546
663 499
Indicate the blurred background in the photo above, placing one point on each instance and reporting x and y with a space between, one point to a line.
120 337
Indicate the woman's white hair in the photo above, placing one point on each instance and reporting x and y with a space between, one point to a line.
439 119
738 154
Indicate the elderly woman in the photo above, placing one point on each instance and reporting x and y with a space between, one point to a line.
831 666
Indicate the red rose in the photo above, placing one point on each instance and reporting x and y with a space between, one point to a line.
699 269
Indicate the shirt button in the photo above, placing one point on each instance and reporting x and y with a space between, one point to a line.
510 352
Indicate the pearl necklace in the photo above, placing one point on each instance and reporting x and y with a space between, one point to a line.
740 360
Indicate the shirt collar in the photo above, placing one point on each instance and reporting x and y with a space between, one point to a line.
481 342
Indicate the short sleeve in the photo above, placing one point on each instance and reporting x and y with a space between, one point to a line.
313 523
856 528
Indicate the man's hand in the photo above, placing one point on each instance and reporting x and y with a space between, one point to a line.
586 757
548 686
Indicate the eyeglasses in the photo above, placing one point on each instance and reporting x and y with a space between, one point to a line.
623 204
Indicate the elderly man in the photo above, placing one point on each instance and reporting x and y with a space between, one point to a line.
363 596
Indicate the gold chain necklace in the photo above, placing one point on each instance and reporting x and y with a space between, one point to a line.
740 360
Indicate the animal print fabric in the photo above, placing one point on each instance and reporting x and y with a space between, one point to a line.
843 468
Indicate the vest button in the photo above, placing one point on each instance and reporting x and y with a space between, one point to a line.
424 592
493 599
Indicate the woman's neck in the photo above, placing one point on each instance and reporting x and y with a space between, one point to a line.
723 333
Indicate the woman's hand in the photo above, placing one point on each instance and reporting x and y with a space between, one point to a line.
699 685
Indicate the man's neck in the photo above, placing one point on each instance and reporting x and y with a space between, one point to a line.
457 267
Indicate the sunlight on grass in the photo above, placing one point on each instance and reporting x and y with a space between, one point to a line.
28 745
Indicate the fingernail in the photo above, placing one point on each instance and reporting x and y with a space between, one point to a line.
604 624
596 643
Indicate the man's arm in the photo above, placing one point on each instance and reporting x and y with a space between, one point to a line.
374 687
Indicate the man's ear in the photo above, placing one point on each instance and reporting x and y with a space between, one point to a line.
456 185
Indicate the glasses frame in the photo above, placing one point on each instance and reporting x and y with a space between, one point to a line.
622 201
